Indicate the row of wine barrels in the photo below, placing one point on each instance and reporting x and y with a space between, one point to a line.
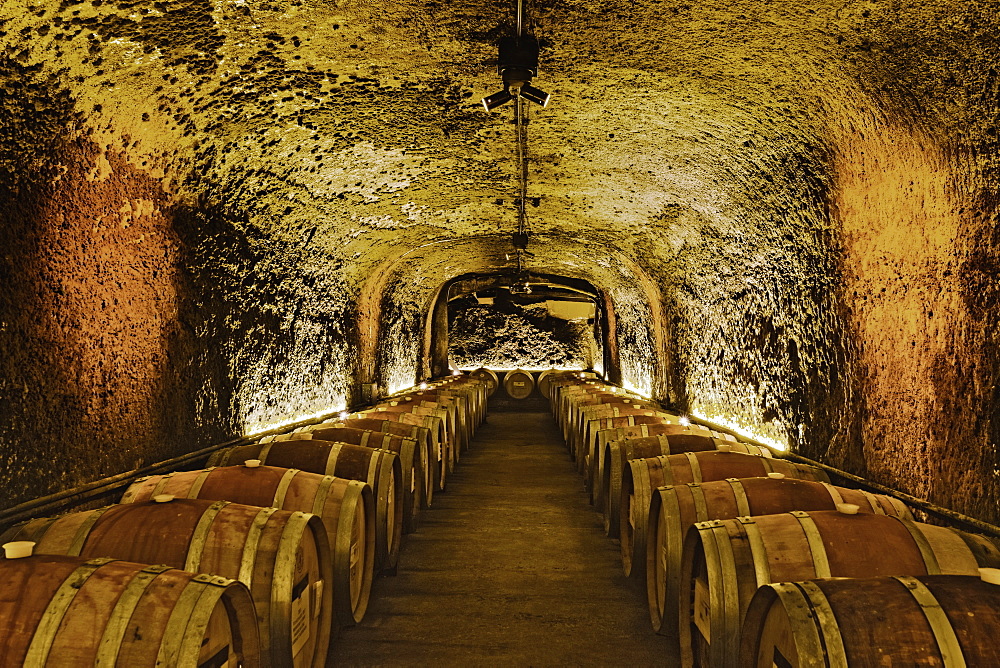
73 611
283 557
417 477
345 506
915 620
424 449
436 436
724 562
618 454
644 478
657 537
379 468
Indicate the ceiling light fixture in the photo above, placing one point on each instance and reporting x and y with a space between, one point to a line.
517 64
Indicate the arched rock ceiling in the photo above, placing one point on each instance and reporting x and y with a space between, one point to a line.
805 191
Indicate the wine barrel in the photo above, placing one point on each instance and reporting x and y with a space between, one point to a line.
437 437
618 453
643 478
724 562
923 620
449 442
419 434
594 471
623 418
518 384
413 462
283 557
379 468
547 377
673 510
579 441
487 376
345 506
70 611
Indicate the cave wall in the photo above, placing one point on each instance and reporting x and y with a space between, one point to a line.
218 215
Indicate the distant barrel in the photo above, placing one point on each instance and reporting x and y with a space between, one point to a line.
518 384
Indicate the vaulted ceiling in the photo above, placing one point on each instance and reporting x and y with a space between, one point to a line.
248 207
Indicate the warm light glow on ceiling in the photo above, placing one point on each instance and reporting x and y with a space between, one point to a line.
264 427
743 430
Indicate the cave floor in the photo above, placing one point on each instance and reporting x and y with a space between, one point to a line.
510 567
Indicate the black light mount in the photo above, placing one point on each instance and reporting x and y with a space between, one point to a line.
517 64
520 240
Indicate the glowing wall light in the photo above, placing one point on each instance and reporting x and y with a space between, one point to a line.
256 429
742 430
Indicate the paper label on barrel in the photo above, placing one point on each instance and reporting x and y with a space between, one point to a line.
702 609
300 616
413 480
779 661
518 383
631 510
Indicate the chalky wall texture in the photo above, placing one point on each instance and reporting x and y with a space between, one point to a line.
221 214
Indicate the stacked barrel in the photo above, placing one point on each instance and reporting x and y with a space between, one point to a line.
257 560
747 559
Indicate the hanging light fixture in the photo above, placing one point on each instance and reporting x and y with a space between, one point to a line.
517 64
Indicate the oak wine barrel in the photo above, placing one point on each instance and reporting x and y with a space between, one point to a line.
488 377
673 510
595 466
436 437
345 506
642 479
724 562
379 468
413 461
618 454
518 384
923 620
283 557
71 611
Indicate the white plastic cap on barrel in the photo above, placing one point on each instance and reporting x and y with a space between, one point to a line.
774 475
163 498
990 575
18 549
722 447
251 463
848 508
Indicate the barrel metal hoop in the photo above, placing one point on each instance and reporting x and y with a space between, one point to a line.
902 510
83 531
173 633
821 563
199 482
726 627
758 551
193 559
768 464
926 551
365 437
265 451
833 641
873 501
286 480
695 466
331 458
944 633
48 626
283 578
834 493
803 621
193 634
742 502
249 557
700 505
114 631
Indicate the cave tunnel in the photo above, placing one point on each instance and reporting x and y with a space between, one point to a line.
224 216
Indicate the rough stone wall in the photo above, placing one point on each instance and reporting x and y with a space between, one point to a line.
220 214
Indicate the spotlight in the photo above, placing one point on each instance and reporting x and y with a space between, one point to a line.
517 64
532 94
491 102
423 386
343 415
